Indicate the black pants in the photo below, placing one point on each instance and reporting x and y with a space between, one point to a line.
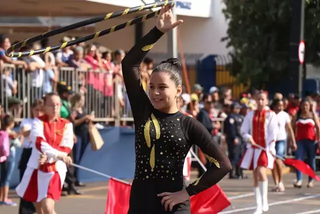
70 178
234 153
144 199
25 207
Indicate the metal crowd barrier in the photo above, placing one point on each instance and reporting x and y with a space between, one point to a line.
104 96
107 106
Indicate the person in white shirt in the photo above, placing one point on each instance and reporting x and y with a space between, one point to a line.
284 129
26 207
259 129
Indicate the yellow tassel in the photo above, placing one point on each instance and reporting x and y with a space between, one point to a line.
156 126
214 161
147 133
152 157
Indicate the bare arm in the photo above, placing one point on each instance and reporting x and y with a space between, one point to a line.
316 120
291 135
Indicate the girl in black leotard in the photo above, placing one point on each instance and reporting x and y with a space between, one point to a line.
163 134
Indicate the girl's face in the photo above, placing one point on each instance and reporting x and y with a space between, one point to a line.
108 57
280 106
6 44
37 111
92 51
163 91
11 126
305 106
262 101
52 106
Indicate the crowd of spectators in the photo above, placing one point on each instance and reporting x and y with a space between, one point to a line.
90 69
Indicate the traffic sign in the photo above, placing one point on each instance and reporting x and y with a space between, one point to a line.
301 52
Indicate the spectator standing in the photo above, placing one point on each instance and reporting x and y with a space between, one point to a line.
306 126
7 166
81 120
284 126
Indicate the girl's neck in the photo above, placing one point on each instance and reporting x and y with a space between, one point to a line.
171 110
52 118
306 113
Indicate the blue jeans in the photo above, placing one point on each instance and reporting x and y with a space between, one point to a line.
309 148
7 169
280 148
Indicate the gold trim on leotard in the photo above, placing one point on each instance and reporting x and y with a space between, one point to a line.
147 137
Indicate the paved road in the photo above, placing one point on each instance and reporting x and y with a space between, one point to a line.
293 201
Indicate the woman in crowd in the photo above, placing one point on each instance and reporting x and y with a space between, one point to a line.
164 135
81 121
4 45
307 130
284 126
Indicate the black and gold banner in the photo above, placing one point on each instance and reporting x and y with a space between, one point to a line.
10 52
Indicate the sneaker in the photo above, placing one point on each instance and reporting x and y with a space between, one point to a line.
9 203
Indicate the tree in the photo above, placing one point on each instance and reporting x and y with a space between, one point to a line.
259 33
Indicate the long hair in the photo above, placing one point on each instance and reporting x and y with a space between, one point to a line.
303 101
38 103
75 101
6 121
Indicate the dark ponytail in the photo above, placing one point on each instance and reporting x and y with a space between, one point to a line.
172 67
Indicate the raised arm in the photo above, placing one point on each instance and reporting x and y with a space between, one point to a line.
220 163
139 101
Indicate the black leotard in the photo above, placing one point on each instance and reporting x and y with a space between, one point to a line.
162 143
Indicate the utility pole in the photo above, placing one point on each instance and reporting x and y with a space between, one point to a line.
296 36
172 48
301 39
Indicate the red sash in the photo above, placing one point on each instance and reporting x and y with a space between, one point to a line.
258 127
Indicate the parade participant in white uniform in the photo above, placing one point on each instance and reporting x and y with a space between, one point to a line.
52 136
260 128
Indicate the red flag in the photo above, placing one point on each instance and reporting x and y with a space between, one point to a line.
118 197
302 166
210 201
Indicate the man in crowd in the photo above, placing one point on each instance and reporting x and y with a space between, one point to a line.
233 137
64 92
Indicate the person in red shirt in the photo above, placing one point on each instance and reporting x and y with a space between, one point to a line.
307 131
52 141
293 105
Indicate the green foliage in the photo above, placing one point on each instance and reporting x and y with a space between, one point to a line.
259 33
312 32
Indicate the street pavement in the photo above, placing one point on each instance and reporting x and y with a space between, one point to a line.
292 201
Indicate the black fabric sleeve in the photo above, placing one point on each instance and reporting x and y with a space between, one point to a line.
197 134
139 101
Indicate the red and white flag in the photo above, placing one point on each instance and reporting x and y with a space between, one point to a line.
210 201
